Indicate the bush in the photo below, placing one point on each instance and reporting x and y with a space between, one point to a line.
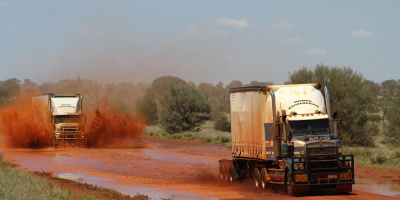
379 158
374 118
396 154
183 108
222 124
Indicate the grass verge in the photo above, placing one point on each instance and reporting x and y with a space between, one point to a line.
18 184
205 134
380 158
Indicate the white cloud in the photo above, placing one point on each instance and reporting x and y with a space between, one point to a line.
317 51
234 23
291 40
359 33
217 32
3 4
286 25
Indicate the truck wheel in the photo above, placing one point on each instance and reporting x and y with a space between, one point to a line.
264 178
257 177
289 184
230 175
221 170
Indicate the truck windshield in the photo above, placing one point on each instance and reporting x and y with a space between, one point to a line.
67 119
309 127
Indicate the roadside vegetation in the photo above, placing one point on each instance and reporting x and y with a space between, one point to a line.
205 134
380 158
18 184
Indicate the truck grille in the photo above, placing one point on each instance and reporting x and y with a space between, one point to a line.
322 159
70 129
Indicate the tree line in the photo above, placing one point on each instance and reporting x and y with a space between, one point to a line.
367 109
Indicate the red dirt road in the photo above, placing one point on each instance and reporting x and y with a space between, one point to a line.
159 169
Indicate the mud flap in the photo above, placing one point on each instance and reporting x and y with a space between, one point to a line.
345 188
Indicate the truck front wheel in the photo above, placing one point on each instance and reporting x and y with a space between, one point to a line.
289 184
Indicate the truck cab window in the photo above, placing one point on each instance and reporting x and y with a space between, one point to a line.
309 127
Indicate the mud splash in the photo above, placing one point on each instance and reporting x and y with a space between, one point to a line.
25 123
109 128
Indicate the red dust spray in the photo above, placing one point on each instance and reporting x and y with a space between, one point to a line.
25 124
108 128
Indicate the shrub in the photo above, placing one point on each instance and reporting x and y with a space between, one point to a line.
222 124
374 118
183 108
379 158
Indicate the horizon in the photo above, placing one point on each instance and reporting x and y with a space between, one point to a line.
197 41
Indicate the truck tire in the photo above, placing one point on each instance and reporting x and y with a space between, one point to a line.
221 170
257 177
230 174
264 178
289 184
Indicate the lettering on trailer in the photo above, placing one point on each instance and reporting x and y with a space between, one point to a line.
66 106
302 102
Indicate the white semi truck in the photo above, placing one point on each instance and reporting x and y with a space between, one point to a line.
65 113
286 135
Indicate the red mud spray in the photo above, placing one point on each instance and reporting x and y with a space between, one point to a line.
107 127
27 124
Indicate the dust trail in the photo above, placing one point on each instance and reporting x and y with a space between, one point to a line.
25 124
107 127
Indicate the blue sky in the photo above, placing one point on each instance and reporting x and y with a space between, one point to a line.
200 41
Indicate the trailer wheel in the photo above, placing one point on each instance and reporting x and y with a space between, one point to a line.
221 170
257 177
264 178
289 184
230 174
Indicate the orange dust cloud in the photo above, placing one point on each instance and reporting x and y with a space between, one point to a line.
25 124
107 127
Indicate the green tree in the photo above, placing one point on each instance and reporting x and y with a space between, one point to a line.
183 108
8 90
392 129
391 87
216 95
147 106
349 97
161 84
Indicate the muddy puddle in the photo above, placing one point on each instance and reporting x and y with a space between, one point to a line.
86 170
128 189
366 185
97 167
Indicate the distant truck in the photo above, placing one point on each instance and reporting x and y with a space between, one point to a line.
65 112
286 135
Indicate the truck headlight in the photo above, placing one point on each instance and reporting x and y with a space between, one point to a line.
346 164
296 167
301 166
340 150
302 152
